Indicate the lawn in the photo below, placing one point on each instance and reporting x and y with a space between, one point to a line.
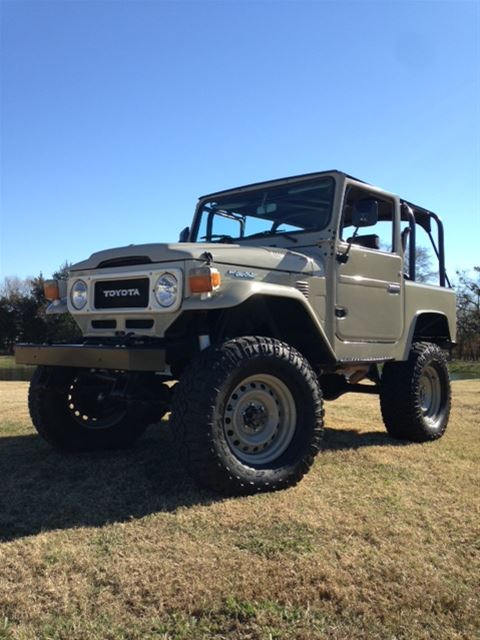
9 370
7 362
466 367
379 541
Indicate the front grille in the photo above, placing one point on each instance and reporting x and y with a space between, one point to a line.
120 294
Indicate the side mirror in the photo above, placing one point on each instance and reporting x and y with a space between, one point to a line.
365 213
184 233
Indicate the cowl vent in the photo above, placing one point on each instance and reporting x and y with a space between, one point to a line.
303 287
124 262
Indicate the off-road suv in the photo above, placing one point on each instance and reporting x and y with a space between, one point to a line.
271 302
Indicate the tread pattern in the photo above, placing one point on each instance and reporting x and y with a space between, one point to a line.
400 398
198 424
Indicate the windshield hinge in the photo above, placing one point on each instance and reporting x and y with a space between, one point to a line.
207 256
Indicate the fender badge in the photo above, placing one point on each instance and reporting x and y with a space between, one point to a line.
244 275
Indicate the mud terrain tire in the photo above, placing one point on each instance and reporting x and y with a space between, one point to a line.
415 395
248 416
57 394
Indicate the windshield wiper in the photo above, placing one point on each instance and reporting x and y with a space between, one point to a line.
264 234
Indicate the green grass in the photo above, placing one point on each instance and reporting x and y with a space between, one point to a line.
378 542
9 370
7 362
465 367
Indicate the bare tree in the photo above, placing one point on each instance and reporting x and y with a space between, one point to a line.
15 287
468 314
424 270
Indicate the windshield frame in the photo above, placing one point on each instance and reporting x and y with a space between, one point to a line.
261 187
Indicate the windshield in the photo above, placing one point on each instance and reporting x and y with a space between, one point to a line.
284 210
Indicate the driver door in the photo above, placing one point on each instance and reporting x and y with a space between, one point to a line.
369 283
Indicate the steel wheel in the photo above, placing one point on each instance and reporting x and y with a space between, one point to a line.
430 390
91 401
260 419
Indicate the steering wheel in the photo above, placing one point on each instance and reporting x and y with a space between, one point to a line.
220 236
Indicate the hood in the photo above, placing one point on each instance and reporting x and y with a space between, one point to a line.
231 254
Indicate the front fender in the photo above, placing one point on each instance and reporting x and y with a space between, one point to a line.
240 292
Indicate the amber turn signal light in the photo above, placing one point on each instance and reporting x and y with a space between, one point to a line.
51 290
204 280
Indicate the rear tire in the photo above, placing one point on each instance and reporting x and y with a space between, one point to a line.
415 395
248 416
77 410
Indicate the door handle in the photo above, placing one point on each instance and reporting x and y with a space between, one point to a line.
393 288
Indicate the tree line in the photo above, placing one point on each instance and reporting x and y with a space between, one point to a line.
23 315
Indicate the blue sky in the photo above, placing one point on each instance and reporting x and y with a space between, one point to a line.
116 115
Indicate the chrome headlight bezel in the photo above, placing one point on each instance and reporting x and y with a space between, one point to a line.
79 294
166 293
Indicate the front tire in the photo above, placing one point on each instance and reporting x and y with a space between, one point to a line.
415 395
81 410
248 415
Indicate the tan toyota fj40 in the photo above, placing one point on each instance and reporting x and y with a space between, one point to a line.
273 301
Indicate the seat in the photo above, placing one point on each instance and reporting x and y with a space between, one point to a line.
370 241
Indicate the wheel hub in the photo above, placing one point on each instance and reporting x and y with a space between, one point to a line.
255 417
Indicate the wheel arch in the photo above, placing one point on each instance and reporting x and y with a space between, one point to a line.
287 318
429 326
291 320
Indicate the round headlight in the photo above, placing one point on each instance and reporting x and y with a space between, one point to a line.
78 294
166 290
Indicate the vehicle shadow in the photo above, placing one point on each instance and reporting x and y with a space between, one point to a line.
337 440
42 490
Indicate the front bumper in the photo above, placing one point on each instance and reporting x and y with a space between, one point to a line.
120 357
